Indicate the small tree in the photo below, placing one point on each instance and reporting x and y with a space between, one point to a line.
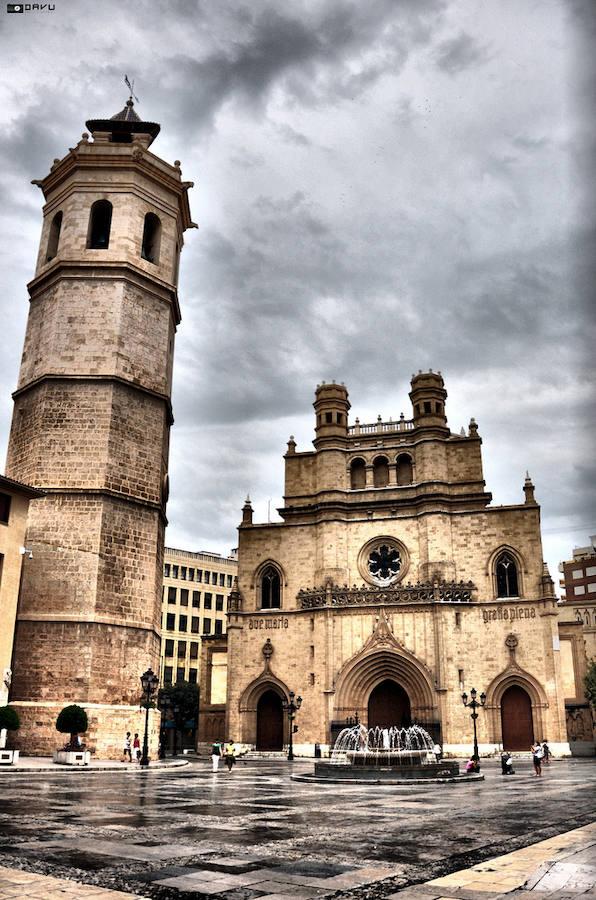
590 684
9 719
72 720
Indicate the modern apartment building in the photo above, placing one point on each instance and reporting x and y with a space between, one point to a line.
195 602
579 574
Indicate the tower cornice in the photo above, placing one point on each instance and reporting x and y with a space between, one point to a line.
120 157
83 269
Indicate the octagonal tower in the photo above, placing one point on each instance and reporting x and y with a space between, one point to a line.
91 427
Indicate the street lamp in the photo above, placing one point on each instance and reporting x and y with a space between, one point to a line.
474 704
149 683
291 706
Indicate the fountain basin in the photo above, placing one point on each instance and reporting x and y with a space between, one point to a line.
360 771
390 755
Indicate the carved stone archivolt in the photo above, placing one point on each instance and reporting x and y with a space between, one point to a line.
423 592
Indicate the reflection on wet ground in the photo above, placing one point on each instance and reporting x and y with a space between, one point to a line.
256 833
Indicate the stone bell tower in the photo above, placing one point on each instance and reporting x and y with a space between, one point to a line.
91 425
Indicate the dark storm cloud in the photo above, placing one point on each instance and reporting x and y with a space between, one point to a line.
461 52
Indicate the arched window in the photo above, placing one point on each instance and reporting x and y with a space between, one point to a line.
380 472
270 588
405 472
357 475
54 238
100 222
151 238
506 572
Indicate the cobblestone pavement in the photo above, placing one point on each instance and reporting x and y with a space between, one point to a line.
255 833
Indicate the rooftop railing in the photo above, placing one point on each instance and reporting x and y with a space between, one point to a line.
380 427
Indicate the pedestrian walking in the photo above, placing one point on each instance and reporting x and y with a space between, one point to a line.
136 746
537 754
126 750
215 755
437 750
230 755
546 754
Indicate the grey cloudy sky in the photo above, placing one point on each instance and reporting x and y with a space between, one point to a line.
380 187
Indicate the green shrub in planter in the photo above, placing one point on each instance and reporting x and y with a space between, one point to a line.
9 719
72 720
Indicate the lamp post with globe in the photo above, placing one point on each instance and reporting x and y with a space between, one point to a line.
149 683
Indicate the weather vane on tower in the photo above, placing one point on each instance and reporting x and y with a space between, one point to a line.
131 88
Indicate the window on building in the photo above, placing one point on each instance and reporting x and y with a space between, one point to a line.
577 573
222 580
340 419
328 418
506 572
219 602
183 623
358 475
427 406
151 238
169 647
591 587
183 573
591 570
578 590
270 589
380 472
218 626
170 622
100 223
196 599
167 674
194 649
181 649
191 574
194 624
180 673
207 600
5 508
405 474
171 595
206 575
229 581
166 570
206 626
192 675
458 620
199 574
184 596
54 237
174 571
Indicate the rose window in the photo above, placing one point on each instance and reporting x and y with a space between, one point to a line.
384 564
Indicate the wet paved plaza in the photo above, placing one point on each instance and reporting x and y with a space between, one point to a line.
257 834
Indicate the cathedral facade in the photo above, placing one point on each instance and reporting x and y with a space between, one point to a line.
391 587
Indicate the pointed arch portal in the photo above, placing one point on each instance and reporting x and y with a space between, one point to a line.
516 719
270 722
389 704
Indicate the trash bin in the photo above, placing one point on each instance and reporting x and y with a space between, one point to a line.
317 751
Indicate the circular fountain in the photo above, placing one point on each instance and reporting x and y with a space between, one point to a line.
392 755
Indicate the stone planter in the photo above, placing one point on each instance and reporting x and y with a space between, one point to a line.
9 757
72 757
